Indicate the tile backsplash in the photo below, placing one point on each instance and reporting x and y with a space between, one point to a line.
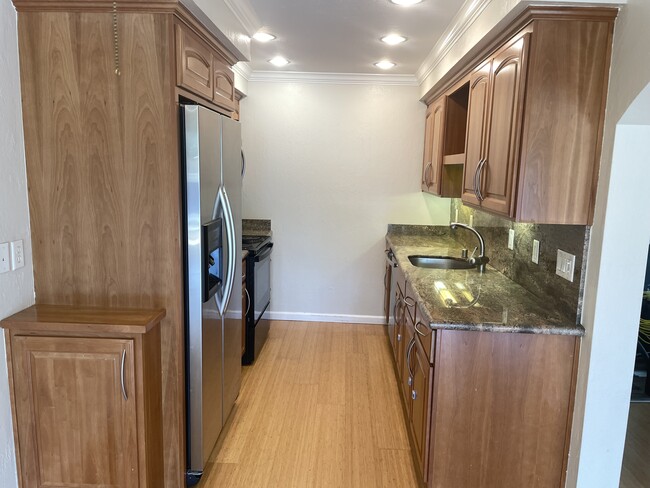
540 279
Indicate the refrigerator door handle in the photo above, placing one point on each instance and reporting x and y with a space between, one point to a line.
243 164
232 253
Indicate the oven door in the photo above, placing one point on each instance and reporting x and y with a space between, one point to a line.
262 280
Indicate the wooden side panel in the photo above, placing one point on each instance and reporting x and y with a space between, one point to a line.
501 406
74 426
476 129
567 77
506 89
103 173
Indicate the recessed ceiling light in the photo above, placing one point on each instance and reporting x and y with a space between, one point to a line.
405 3
263 36
279 61
385 64
393 39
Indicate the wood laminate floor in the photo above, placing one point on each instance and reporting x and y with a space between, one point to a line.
319 408
636 458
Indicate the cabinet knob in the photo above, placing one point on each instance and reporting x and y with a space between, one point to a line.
414 394
399 337
410 381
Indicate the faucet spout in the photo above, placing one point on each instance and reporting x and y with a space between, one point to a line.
482 259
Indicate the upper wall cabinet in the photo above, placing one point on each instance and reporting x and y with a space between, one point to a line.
535 115
202 71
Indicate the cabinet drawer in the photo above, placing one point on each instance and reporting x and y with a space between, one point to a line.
194 63
426 335
409 302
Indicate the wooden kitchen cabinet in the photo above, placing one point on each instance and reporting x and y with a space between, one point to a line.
495 111
202 70
102 158
485 408
537 96
86 396
433 138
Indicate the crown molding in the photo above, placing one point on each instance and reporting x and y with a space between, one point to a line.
243 69
245 14
462 21
332 78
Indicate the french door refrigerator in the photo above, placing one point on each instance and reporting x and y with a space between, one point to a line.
212 170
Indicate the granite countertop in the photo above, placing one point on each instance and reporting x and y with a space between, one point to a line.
469 300
256 227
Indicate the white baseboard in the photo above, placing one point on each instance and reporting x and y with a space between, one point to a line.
327 317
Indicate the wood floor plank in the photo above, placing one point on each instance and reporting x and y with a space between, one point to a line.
636 466
319 408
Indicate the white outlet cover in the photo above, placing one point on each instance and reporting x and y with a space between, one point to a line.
17 251
565 265
511 239
4 257
535 251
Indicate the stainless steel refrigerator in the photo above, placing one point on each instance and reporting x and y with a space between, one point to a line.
212 170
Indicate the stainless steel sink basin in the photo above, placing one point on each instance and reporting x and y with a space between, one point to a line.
440 262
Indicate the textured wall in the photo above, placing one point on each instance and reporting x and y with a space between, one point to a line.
16 287
331 166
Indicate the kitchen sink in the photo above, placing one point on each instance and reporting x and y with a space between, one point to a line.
440 262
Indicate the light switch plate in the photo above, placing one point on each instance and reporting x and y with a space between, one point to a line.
511 239
535 251
4 257
565 265
17 252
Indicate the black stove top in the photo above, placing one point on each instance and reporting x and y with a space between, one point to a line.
254 243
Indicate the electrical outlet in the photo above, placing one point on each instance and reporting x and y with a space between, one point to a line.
17 254
565 265
471 220
511 239
4 257
535 251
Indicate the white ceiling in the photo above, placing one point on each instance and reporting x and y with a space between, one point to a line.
342 36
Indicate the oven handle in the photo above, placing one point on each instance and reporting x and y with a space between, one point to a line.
265 254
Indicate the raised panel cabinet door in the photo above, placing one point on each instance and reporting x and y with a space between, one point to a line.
224 84
476 131
75 411
193 64
433 140
497 175
421 404
398 335
407 365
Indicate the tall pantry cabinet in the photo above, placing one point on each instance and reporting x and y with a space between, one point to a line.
101 82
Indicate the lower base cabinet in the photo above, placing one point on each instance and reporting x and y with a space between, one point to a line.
86 397
488 409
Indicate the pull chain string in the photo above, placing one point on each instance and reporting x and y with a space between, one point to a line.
116 47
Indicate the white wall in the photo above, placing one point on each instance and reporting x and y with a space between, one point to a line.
331 166
16 287
618 250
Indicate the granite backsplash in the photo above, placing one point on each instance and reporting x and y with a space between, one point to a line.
540 279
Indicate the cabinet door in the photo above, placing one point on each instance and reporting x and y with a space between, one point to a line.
421 404
400 327
476 131
433 139
407 368
75 411
224 84
387 295
497 175
194 64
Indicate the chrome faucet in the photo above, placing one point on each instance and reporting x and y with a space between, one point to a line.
482 259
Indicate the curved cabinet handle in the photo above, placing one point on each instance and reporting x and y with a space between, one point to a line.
243 164
428 171
409 302
422 334
122 379
480 168
408 357
248 301
478 165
